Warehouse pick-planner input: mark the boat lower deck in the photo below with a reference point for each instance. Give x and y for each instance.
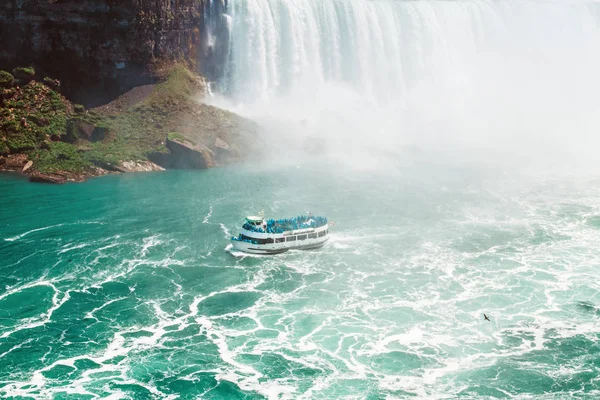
(266, 249)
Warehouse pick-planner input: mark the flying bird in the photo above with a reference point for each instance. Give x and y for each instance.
(486, 317)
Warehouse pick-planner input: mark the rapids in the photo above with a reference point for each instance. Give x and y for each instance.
(125, 286)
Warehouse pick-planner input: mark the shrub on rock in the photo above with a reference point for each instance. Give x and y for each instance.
(23, 72)
(6, 79)
(18, 138)
(24, 75)
(78, 129)
(51, 83)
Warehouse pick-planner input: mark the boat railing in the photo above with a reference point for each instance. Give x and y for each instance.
(279, 226)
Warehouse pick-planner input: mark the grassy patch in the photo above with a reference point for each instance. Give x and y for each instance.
(59, 156)
(144, 127)
(110, 153)
(176, 136)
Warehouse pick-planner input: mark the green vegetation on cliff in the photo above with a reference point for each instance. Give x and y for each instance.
(34, 120)
(59, 156)
(146, 117)
(58, 136)
(31, 115)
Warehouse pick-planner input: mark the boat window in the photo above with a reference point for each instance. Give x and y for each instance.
(291, 238)
(280, 240)
(270, 240)
(312, 235)
(322, 233)
(301, 237)
(252, 240)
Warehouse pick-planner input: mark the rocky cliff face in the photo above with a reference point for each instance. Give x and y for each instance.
(102, 48)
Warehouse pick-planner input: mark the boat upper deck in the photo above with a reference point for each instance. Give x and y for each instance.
(278, 226)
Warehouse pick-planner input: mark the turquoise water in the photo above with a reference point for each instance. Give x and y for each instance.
(125, 287)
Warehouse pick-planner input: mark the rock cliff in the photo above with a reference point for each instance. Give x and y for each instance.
(100, 49)
(140, 69)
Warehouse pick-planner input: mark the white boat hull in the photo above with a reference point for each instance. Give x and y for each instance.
(276, 248)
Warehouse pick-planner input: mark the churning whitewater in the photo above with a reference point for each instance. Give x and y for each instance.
(125, 287)
(430, 131)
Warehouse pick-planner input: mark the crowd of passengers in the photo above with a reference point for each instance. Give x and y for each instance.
(288, 224)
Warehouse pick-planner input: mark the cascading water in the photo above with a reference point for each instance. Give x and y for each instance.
(215, 34)
(478, 76)
(380, 47)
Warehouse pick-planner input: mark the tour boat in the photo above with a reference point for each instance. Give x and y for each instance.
(272, 236)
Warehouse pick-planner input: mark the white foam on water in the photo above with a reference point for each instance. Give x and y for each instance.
(37, 384)
(90, 314)
(42, 319)
(207, 217)
(16, 347)
(22, 235)
(150, 242)
(117, 347)
(22, 259)
(225, 231)
(117, 396)
(341, 246)
(12, 239)
(68, 248)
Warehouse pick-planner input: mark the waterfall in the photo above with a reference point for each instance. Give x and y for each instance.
(215, 28)
(511, 69)
(378, 47)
